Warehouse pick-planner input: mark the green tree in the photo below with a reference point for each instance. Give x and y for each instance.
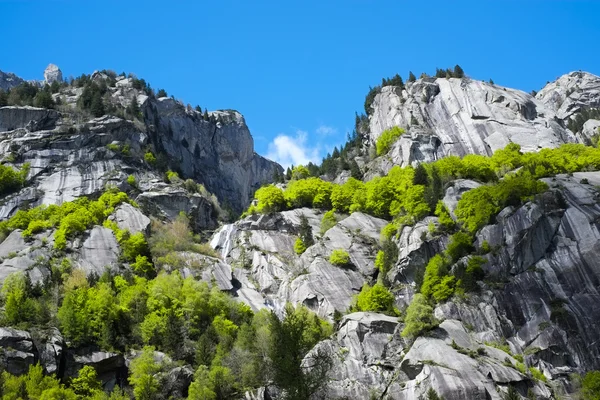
(270, 199)
(134, 107)
(43, 99)
(387, 139)
(458, 72)
(305, 232)
(86, 383)
(411, 77)
(591, 386)
(201, 388)
(291, 340)
(97, 105)
(419, 317)
(432, 395)
(161, 93)
(143, 375)
(329, 220)
(511, 394)
(19, 307)
(376, 298)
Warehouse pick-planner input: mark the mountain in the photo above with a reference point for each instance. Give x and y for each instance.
(435, 275)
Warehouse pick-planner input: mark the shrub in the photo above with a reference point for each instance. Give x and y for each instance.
(131, 181)
(150, 158)
(387, 139)
(419, 317)
(339, 257)
(299, 246)
(389, 230)
(376, 298)
(270, 199)
(173, 177)
(537, 374)
(436, 282)
(329, 220)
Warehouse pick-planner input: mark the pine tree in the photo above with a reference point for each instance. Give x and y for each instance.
(161, 93)
(421, 177)
(458, 72)
(134, 107)
(288, 174)
(411, 77)
(198, 108)
(355, 171)
(205, 116)
(97, 106)
(306, 232)
(3, 98)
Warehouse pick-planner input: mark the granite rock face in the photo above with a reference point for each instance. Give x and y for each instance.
(571, 93)
(462, 116)
(52, 74)
(219, 154)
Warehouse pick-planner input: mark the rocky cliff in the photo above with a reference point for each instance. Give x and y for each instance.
(464, 116)
(530, 321)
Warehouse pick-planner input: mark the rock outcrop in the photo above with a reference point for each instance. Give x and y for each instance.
(570, 94)
(9, 81)
(219, 154)
(52, 74)
(462, 116)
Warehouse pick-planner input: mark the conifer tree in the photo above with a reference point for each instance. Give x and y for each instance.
(411, 77)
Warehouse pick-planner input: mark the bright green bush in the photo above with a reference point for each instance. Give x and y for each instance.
(444, 217)
(387, 139)
(270, 199)
(311, 192)
(12, 180)
(329, 220)
(437, 284)
(19, 307)
(131, 181)
(339, 257)
(150, 158)
(375, 298)
(419, 317)
(172, 177)
(343, 196)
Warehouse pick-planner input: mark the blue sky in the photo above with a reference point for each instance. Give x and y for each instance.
(298, 70)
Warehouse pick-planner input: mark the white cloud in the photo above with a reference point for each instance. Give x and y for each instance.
(326, 130)
(288, 150)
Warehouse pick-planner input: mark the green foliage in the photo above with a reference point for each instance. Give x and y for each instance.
(131, 181)
(477, 207)
(143, 370)
(150, 158)
(342, 196)
(12, 180)
(299, 246)
(305, 232)
(460, 245)
(270, 199)
(432, 395)
(537, 374)
(86, 384)
(310, 192)
(172, 177)
(19, 306)
(43, 99)
(419, 317)
(329, 220)
(339, 257)
(387, 139)
(591, 386)
(291, 340)
(436, 282)
(300, 172)
(375, 298)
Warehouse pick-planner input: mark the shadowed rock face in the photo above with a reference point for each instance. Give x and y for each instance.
(221, 154)
(9, 81)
